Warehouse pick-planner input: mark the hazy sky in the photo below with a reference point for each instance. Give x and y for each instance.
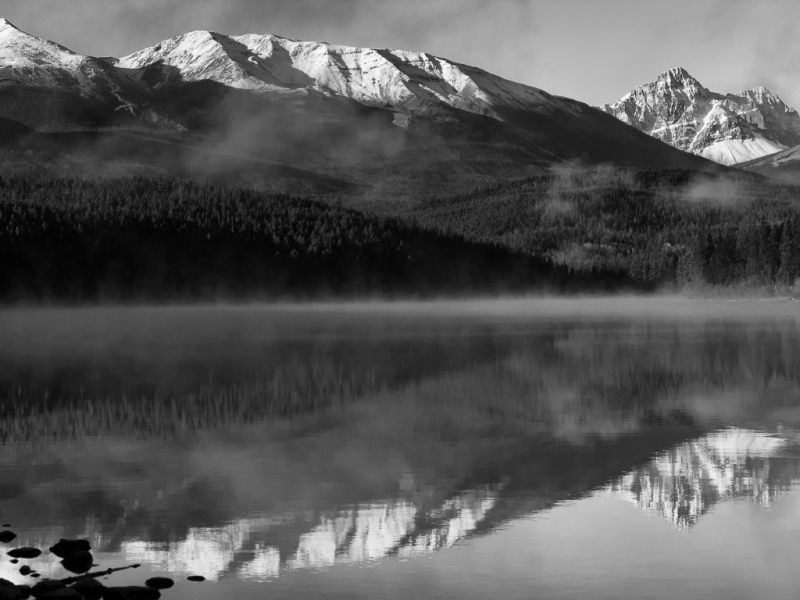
(591, 50)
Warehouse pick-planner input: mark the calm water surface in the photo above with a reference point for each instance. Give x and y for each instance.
(527, 449)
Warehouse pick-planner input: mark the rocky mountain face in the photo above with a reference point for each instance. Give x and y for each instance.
(351, 118)
(726, 128)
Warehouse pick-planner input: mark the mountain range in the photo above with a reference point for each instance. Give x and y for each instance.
(726, 128)
(337, 118)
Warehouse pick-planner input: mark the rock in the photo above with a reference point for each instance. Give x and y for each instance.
(6, 525)
(63, 594)
(90, 588)
(24, 552)
(7, 536)
(131, 592)
(196, 578)
(159, 583)
(46, 586)
(65, 547)
(14, 592)
(78, 562)
(14, 561)
(25, 570)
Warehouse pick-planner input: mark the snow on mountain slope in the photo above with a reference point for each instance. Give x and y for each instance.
(728, 129)
(409, 81)
(34, 62)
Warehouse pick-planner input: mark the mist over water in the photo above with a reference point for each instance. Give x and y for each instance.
(476, 448)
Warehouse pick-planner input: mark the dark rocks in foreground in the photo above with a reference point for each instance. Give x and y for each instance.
(159, 583)
(196, 578)
(9, 591)
(63, 594)
(7, 536)
(65, 547)
(46, 586)
(78, 562)
(89, 588)
(24, 552)
(131, 592)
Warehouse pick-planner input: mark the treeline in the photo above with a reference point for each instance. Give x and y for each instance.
(668, 227)
(165, 238)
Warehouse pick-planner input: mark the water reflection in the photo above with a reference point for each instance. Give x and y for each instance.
(685, 482)
(249, 445)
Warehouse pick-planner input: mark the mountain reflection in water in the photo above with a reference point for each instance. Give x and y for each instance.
(685, 482)
(242, 445)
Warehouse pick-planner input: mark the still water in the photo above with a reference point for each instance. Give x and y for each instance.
(507, 449)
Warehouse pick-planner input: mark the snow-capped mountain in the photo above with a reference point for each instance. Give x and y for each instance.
(263, 102)
(32, 66)
(411, 82)
(726, 128)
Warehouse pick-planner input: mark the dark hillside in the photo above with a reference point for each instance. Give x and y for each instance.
(143, 238)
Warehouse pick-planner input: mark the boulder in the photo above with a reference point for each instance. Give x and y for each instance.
(65, 547)
(90, 588)
(131, 592)
(46, 586)
(7, 536)
(24, 552)
(63, 594)
(159, 583)
(78, 562)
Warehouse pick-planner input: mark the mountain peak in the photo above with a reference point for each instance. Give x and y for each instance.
(679, 77)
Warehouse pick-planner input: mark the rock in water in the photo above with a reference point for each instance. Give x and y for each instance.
(196, 578)
(63, 594)
(7, 536)
(66, 547)
(46, 586)
(90, 588)
(159, 583)
(78, 562)
(24, 552)
(25, 570)
(132, 592)
(9, 591)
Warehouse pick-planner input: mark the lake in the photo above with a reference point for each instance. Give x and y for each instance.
(608, 448)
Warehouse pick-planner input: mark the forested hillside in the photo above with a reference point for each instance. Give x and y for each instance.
(146, 238)
(670, 227)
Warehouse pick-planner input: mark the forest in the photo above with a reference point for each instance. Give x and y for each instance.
(674, 228)
(162, 238)
(156, 237)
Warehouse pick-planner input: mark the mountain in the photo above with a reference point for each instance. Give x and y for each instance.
(726, 128)
(49, 87)
(784, 165)
(367, 121)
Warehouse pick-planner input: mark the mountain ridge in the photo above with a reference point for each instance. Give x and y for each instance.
(376, 119)
(727, 128)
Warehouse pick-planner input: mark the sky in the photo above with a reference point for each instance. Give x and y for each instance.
(590, 50)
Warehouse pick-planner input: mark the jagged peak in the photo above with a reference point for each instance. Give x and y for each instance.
(678, 77)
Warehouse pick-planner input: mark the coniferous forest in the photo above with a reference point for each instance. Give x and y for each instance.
(161, 238)
(675, 229)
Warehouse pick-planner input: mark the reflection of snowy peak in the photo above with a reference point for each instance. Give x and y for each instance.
(409, 81)
(728, 129)
(362, 533)
(683, 483)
